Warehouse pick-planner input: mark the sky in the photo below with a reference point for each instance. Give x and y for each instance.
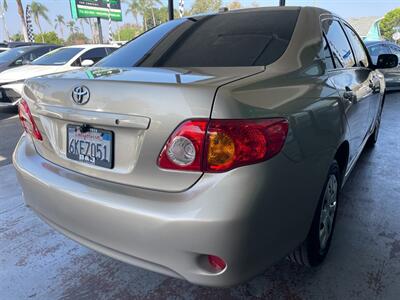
(344, 8)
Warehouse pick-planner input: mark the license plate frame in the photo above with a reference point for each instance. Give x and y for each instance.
(107, 139)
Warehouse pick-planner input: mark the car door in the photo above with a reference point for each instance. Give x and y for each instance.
(351, 81)
(363, 62)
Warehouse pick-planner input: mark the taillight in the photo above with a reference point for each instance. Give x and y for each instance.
(222, 145)
(184, 148)
(27, 121)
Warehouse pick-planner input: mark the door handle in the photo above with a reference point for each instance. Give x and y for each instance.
(349, 95)
(375, 88)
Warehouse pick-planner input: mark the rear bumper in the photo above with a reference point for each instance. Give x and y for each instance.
(170, 232)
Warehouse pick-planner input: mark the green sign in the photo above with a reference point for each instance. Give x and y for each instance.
(96, 9)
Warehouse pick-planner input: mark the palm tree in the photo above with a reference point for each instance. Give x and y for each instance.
(138, 7)
(22, 19)
(39, 10)
(81, 21)
(152, 3)
(72, 27)
(134, 9)
(3, 10)
(92, 30)
(60, 22)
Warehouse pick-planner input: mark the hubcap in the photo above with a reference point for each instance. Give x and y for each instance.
(328, 211)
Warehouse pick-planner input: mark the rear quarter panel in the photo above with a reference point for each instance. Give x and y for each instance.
(296, 87)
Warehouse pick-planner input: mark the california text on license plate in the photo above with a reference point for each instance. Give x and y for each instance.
(93, 145)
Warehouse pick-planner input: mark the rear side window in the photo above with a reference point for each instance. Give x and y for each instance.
(325, 55)
(94, 54)
(255, 38)
(361, 55)
(340, 47)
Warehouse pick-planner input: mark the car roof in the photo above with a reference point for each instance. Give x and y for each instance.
(268, 8)
(90, 46)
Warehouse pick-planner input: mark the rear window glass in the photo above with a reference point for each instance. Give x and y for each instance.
(57, 57)
(255, 38)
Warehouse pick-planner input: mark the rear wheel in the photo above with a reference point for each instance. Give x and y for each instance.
(314, 249)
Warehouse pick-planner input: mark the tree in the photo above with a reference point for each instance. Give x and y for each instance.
(157, 16)
(60, 23)
(77, 38)
(93, 30)
(72, 27)
(127, 32)
(389, 22)
(139, 7)
(151, 4)
(49, 38)
(39, 10)
(17, 37)
(3, 10)
(81, 23)
(22, 20)
(203, 6)
(234, 5)
(133, 8)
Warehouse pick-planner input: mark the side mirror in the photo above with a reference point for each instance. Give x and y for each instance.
(18, 62)
(387, 61)
(87, 63)
(26, 62)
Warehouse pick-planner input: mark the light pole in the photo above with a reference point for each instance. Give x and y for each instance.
(170, 9)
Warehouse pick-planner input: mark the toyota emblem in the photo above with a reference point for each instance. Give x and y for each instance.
(81, 95)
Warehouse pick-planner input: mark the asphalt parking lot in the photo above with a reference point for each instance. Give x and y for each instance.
(364, 263)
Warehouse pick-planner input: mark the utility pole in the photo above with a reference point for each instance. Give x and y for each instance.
(100, 30)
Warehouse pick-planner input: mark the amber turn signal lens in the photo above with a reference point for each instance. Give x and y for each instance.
(221, 149)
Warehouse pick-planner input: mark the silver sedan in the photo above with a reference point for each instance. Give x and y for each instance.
(209, 147)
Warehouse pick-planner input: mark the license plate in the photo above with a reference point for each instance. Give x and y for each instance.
(92, 145)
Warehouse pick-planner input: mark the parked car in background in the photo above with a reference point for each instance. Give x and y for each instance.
(19, 56)
(22, 44)
(60, 60)
(392, 76)
(209, 147)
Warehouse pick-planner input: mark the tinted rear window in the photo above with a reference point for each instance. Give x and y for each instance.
(255, 38)
(57, 57)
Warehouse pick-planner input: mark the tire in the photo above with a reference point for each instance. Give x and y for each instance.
(373, 138)
(314, 249)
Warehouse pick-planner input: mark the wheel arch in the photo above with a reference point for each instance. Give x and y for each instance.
(342, 158)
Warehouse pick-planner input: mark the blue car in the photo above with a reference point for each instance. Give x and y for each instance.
(392, 76)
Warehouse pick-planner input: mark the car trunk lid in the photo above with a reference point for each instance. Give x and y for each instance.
(140, 106)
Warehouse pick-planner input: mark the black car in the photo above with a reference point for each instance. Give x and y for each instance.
(376, 48)
(23, 55)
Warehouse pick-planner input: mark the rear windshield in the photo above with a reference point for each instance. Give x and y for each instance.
(57, 57)
(255, 38)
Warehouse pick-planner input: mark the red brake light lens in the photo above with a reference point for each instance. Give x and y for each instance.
(27, 121)
(234, 143)
(222, 145)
